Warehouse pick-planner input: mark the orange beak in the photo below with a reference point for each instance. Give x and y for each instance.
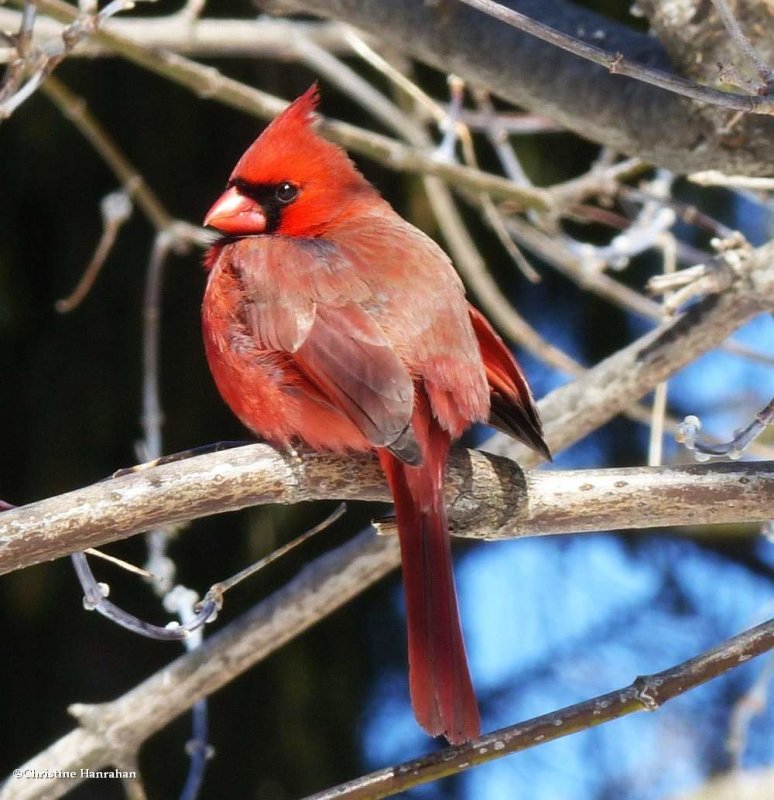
(236, 214)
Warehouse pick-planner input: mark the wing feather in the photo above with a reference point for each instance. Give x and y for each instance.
(351, 360)
(306, 297)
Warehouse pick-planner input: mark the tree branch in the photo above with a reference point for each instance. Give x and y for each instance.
(616, 64)
(207, 82)
(629, 116)
(489, 497)
(110, 731)
(646, 693)
(203, 38)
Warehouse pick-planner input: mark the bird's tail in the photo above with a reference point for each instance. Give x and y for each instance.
(442, 693)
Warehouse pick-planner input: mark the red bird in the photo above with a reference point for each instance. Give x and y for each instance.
(332, 322)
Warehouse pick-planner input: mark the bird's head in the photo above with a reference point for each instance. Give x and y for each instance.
(290, 181)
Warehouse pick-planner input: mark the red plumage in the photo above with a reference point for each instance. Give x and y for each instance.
(330, 321)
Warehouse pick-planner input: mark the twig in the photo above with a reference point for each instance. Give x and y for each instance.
(646, 693)
(743, 43)
(735, 448)
(74, 108)
(687, 213)
(43, 64)
(655, 445)
(183, 603)
(570, 264)
(116, 209)
(750, 353)
(712, 177)
(20, 45)
(95, 599)
(512, 168)
(204, 38)
(401, 81)
(700, 280)
(515, 123)
(618, 65)
(208, 82)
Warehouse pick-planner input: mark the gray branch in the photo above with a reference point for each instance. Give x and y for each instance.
(627, 115)
(489, 497)
(203, 38)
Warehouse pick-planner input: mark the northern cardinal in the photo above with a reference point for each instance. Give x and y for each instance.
(332, 322)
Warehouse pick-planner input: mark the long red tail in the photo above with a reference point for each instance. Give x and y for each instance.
(441, 690)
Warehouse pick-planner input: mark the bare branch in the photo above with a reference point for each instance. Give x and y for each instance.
(628, 116)
(610, 387)
(111, 730)
(488, 497)
(616, 64)
(646, 693)
(110, 733)
(208, 82)
(204, 38)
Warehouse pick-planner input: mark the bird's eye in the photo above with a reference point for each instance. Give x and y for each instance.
(286, 192)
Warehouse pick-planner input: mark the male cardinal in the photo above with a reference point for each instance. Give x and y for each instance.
(331, 322)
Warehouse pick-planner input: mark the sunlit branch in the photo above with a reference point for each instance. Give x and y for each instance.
(208, 82)
(618, 65)
(488, 497)
(745, 47)
(40, 64)
(263, 37)
(113, 731)
(646, 693)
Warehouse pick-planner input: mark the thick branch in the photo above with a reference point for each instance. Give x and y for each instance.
(616, 63)
(631, 117)
(489, 497)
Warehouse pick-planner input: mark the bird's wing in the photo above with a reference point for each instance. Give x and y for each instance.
(306, 298)
(513, 409)
(423, 310)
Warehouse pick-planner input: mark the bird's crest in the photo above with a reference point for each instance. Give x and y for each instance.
(289, 147)
(302, 111)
